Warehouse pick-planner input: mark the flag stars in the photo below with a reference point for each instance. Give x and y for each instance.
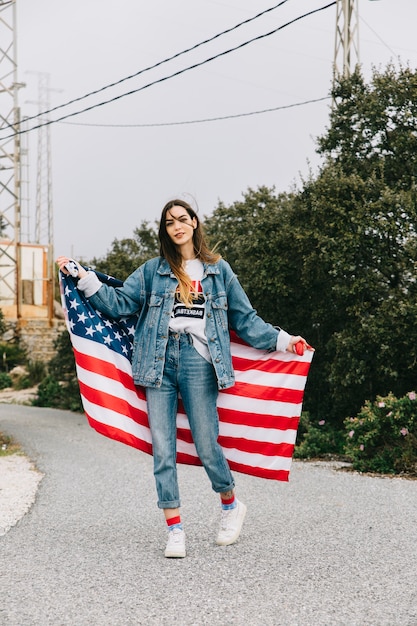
(82, 317)
(93, 325)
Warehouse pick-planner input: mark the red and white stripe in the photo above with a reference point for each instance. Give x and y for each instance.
(259, 415)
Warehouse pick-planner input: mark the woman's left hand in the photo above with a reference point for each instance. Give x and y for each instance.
(298, 345)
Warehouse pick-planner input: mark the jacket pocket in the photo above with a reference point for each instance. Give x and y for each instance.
(155, 304)
(220, 308)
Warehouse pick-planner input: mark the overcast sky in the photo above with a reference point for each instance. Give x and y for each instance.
(109, 173)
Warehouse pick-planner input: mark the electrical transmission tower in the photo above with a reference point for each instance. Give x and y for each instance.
(9, 160)
(346, 49)
(44, 226)
(44, 211)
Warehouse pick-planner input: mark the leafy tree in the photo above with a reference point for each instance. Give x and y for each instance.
(337, 261)
(358, 246)
(373, 126)
(128, 254)
(253, 235)
(366, 193)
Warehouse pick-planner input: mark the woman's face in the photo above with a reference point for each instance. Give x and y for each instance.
(180, 226)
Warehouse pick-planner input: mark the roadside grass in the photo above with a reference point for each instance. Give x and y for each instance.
(8, 446)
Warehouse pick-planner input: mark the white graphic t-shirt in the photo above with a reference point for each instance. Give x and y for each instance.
(192, 319)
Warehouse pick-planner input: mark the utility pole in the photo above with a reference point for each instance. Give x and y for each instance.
(10, 283)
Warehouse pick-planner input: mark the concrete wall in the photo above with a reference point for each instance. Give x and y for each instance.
(37, 336)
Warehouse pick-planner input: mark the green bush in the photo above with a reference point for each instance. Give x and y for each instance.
(317, 439)
(2, 323)
(36, 372)
(383, 436)
(59, 389)
(49, 393)
(58, 395)
(5, 380)
(62, 365)
(10, 356)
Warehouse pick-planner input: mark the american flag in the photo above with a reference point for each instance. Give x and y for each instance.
(258, 416)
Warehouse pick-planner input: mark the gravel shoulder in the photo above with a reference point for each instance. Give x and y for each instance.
(19, 478)
(19, 482)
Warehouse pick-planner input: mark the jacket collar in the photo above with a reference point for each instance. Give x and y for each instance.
(164, 268)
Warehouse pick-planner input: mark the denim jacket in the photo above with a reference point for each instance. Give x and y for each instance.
(150, 293)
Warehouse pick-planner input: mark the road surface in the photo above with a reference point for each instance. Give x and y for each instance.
(329, 548)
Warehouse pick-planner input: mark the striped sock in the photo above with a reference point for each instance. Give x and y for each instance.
(228, 503)
(174, 522)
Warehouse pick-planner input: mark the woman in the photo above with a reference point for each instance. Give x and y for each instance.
(186, 300)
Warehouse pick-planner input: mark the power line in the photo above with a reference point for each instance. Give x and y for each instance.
(152, 67)
(201, 121)
(177, 73)
(380, 38)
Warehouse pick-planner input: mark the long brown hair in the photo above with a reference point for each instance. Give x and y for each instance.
(170, 252)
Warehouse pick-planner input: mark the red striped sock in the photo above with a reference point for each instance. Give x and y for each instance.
(174, 522)
(228, 503)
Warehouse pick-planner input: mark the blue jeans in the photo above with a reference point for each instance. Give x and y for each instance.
(187, 372)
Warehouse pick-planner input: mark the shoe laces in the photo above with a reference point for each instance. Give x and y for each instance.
(225, 518)
(175, 535)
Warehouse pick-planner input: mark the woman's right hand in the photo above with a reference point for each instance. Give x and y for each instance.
(63, 260)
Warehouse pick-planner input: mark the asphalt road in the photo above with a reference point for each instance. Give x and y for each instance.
(329, 548)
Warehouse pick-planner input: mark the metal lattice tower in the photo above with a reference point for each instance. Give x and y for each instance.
(44, 222)
(346, 49)
(9, 158)
(44, 210)
(44, 226)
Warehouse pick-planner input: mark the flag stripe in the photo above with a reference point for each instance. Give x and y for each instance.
(272, 366)
(260, 392)
(120, 435)
(258, 416)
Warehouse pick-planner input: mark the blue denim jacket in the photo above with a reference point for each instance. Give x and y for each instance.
(150, 292)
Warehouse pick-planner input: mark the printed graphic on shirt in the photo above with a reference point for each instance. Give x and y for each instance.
(196, 311)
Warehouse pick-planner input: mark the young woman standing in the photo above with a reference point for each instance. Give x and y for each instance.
(187, 300)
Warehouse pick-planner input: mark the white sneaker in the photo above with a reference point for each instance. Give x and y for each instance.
(176, 543)
(231, 522)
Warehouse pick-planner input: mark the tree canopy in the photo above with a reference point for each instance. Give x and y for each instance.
(129, 253)
(335, 261)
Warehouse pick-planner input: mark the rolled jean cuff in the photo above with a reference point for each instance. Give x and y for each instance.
(225, 489)
(173, 504)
